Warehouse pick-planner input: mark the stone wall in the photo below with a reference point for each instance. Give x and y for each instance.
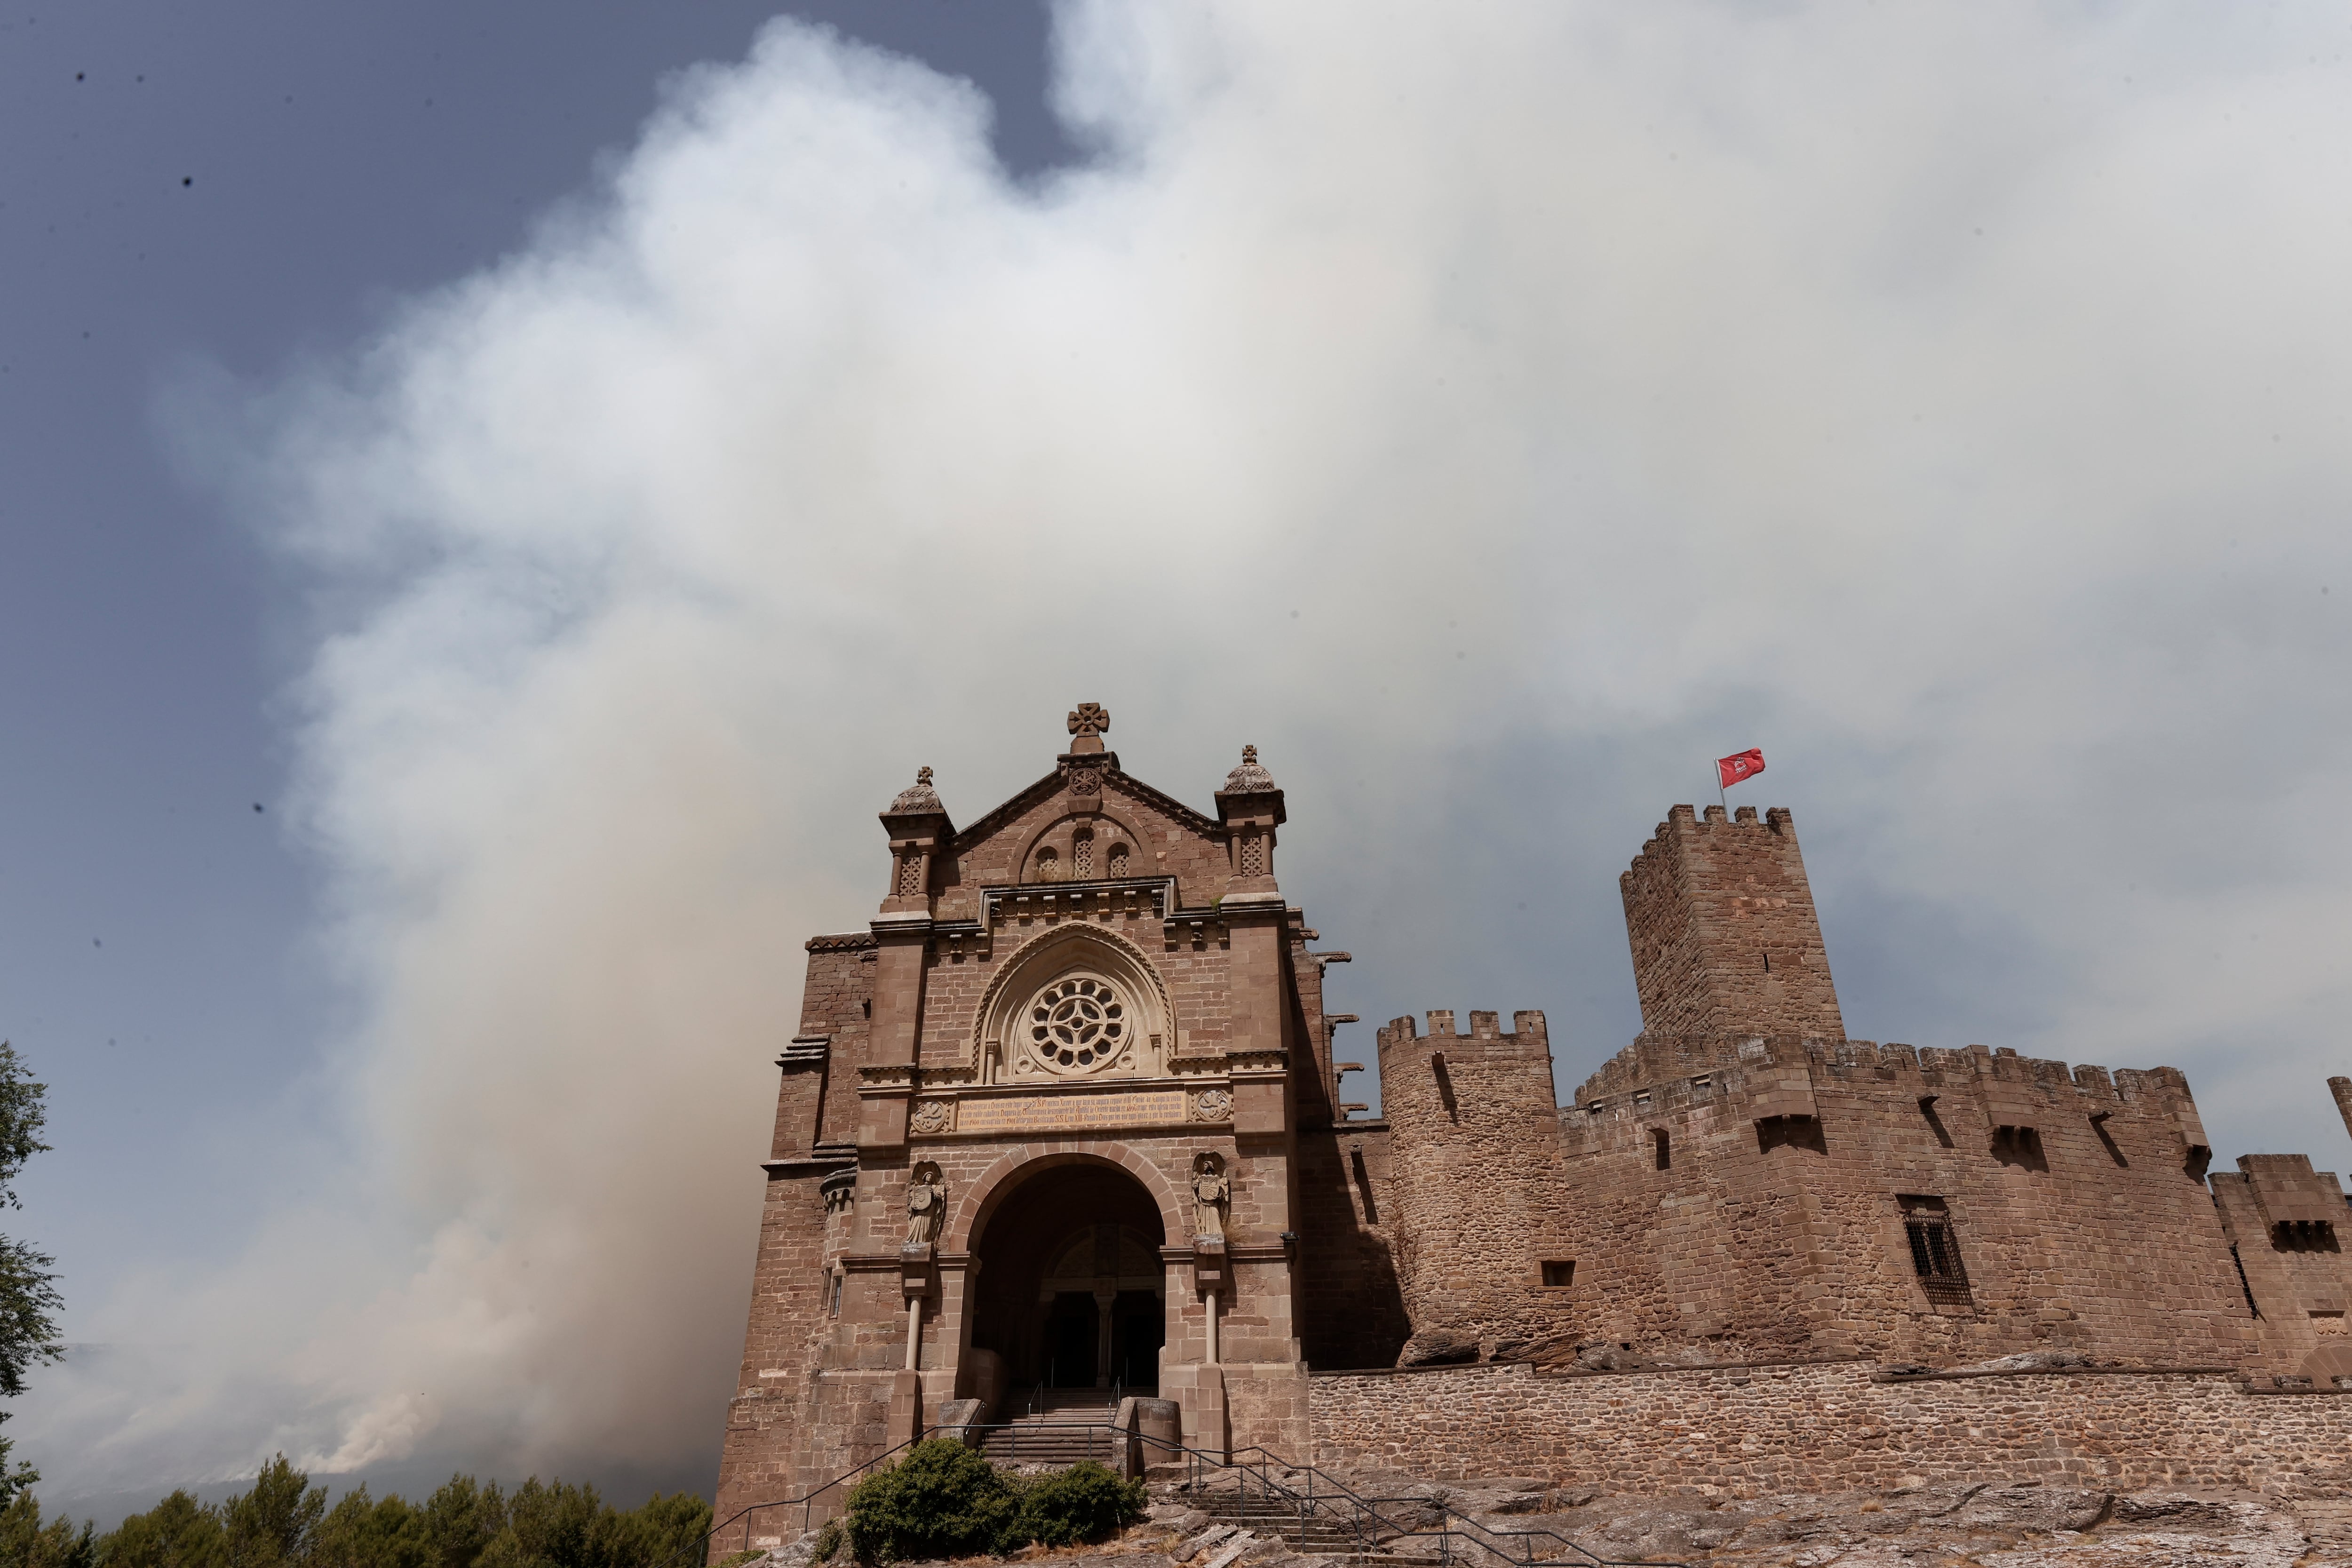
(1482, 1194)
(836, 1005)
(1746, 1431)
(1723, 930)
(765, 1447)
(2286, 1223)
(1776, 1225)
(1350, 1307)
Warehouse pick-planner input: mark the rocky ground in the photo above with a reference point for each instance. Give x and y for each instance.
(1981, 1527)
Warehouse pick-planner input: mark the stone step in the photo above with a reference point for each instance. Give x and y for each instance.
(1313, 1531)
(1038, 1441)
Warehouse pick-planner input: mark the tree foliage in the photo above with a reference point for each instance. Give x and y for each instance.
(28, 1293)
(284, 1522)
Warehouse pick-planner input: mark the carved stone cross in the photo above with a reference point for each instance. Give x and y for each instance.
(1088, 722)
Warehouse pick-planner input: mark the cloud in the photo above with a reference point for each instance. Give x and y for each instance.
(1492, 417)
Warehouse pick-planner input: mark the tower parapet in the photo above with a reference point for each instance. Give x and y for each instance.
(1723, 929)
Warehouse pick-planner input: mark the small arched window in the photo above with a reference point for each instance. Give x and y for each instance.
(1119, 859)
(1049, 865)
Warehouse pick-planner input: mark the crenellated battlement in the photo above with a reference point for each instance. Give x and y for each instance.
(1682, 820)
(1654, 1063)
(1526, 1025)
(1723, 930)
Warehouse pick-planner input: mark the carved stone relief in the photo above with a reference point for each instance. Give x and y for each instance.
(1213, 1105)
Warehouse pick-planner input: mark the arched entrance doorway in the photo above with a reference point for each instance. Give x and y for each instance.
(1071, 1289)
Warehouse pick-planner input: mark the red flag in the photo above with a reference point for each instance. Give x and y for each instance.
(1730, 770)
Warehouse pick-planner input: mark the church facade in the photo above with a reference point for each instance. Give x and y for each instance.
(1066, 1121)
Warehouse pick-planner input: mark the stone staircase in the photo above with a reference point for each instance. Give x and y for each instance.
(1241, 1517)
(1070, 1425)
(1319, 1531)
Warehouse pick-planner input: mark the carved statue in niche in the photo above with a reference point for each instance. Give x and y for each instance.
(1210, 1193)
(926, 1205)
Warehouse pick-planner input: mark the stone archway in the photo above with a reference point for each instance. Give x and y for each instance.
(1068, 1300)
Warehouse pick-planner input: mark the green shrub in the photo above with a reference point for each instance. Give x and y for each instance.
(1084, 1502)
(940, 1501)
(828, 1542)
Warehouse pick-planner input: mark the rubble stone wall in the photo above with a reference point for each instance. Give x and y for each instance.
(1748, 1431)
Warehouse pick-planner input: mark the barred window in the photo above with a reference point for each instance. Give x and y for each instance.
(1934, 1251)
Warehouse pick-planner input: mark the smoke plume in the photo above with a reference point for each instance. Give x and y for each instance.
(1493, 414)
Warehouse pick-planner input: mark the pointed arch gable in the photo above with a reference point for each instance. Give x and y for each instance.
(1060, 949)
(1058, 828)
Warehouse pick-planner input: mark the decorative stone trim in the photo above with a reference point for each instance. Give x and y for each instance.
(1199, 1067)
(1134, 897)
(1198, 931)
(803, 1167)
(932, 1117)
(961, 942)
(839, 1190)
(887, 1077)
(1212, 1105)
(854, 942)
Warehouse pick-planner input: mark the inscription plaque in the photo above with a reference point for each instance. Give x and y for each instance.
(1070, 1112)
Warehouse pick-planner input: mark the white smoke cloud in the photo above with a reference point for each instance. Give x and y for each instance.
(1492, 414)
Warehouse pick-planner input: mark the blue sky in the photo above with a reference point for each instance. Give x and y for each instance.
(568, 467)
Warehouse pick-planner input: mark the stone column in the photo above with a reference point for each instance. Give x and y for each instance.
(1104, 1318)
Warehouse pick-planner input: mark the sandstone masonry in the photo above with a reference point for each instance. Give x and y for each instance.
(1068, 1119)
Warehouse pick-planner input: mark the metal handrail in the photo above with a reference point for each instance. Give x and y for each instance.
(1363, 1507)
(1363, 1515)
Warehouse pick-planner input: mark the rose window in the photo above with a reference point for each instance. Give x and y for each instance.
(1076, 1025)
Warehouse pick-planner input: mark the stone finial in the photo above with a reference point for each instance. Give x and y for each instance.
(2341, 1087)
(1088, 722)
(917, 796)
(1249, 778)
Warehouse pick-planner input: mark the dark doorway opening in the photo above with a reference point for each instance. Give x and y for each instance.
(1070, 1289)
(1072, 1329)
(1138, 1331)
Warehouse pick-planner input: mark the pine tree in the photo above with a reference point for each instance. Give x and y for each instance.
(28, 1293)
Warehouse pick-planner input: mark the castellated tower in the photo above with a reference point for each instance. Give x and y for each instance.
(1479, 1222)
(1725, 937)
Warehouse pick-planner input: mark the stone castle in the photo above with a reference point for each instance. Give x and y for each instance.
(1069, 1115)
